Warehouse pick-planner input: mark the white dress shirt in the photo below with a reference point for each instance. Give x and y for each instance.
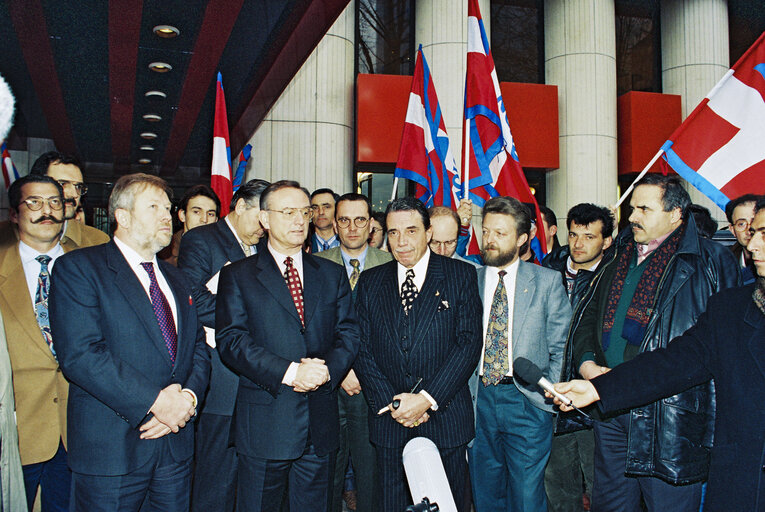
(32, 266)
(490, 286)
(253, 248)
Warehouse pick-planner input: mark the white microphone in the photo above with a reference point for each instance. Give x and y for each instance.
(426, 475)
(531, 373)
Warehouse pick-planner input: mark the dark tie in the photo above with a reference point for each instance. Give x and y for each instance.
(325, 246)
(41, 300)
(295, 287)
(408, 291)
(496, 362)
(354, 279)
(162, 311)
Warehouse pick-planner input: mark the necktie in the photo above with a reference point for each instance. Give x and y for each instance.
(354, 279)
(162, 311)
(41, 300)
(325, 246)
(496, 362)
(295, 287)
(246, 249)
(408, 291)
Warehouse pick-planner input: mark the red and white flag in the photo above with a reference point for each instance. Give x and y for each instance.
(489, 159)
(720, 147)
(10, 174)
(220, 178)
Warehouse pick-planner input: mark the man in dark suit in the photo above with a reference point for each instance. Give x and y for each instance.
(204, 251)
(285, 323)
(740, 213)
(352, 215)
(725, 344)
(420, 320)
(129, 341)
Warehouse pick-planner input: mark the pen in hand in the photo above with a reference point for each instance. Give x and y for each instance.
(394, 405)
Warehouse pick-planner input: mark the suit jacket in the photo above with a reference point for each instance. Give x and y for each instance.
(725, 344)
(204, 250)
(439, 341)
(259, 333)
(76, 235)
(541, 317)
(111, 349)
(39, 387)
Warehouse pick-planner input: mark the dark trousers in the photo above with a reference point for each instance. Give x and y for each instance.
(214, 480)
(161, 485)
(510, 451)
(570, 466)
(393, 485)
(354, 440)
(54, 479)
(262, 483)
(614, 491)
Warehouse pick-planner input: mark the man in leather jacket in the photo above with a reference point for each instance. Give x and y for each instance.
(653, 288)
(571, 458)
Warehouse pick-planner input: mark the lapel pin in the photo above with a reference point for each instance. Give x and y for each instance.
(525, 290)
(438, 293)
(190, 301)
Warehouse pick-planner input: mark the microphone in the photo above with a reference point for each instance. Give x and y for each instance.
(426, 475)
(531, 373)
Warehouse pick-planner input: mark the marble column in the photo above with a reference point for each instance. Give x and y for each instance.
(580, 58)
(308, 134)
(694, 57)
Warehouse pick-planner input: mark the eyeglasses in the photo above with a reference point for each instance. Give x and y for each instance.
(292, 213)
(448, 244)
(359, 222)
(741, 225)
(36, 203)
(80, 187)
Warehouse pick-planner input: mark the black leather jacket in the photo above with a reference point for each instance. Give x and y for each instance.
(671, 438)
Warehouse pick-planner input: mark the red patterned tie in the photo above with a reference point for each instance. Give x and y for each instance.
(162, 311)
(295, 287)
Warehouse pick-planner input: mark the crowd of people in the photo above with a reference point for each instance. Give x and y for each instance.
(281, 357)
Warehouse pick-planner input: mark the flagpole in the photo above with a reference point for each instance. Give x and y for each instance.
(466, 159)
(395, 189)
(639, 177)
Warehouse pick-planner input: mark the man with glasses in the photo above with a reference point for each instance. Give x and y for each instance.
(352, 223)
(446, 232)
(740, 213)
(37, 214)
(285, 324)
(66, 170)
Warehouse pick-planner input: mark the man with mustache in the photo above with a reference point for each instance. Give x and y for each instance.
(65, 169)
(654, 288)
(37, 214)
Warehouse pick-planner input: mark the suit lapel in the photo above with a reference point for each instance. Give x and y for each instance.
(274, 283)
(313, 282)
(755, 319)
(525, 286)
(390, 300)
(233, 250)
(13, 286)
(428, 300)
(182, 305)
(127, 282)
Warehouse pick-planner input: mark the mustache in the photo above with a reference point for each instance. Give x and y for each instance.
(48, 217)
(71, 201)
(636, 225)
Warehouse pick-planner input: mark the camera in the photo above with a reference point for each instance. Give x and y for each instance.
(424, 506)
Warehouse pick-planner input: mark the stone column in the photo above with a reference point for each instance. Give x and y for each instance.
(580, 58)
(694, 57)
(308, 134)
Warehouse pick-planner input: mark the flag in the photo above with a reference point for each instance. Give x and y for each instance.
(424, 156)
(489, 158)
(720, 147)
(10, 174)
(220, 176)
(244, 156)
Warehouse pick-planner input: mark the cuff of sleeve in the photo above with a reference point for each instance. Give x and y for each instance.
(433, 403)
(193, 396)
(587, 356)
(290, 374)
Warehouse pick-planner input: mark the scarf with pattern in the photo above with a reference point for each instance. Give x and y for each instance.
(759, 294)
(639, 311)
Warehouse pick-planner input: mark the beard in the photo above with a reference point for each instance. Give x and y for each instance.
(498, 259)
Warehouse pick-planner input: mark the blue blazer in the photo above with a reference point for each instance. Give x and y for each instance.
(203, 252)
(259, 333)
(441, 345)
(727, 344)
(111, 350)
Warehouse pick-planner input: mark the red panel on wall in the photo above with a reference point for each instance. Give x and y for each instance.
(381, 111)
(645, 122)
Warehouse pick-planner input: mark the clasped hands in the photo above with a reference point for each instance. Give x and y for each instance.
(172, 409)
(311, 373)
(412, 410)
